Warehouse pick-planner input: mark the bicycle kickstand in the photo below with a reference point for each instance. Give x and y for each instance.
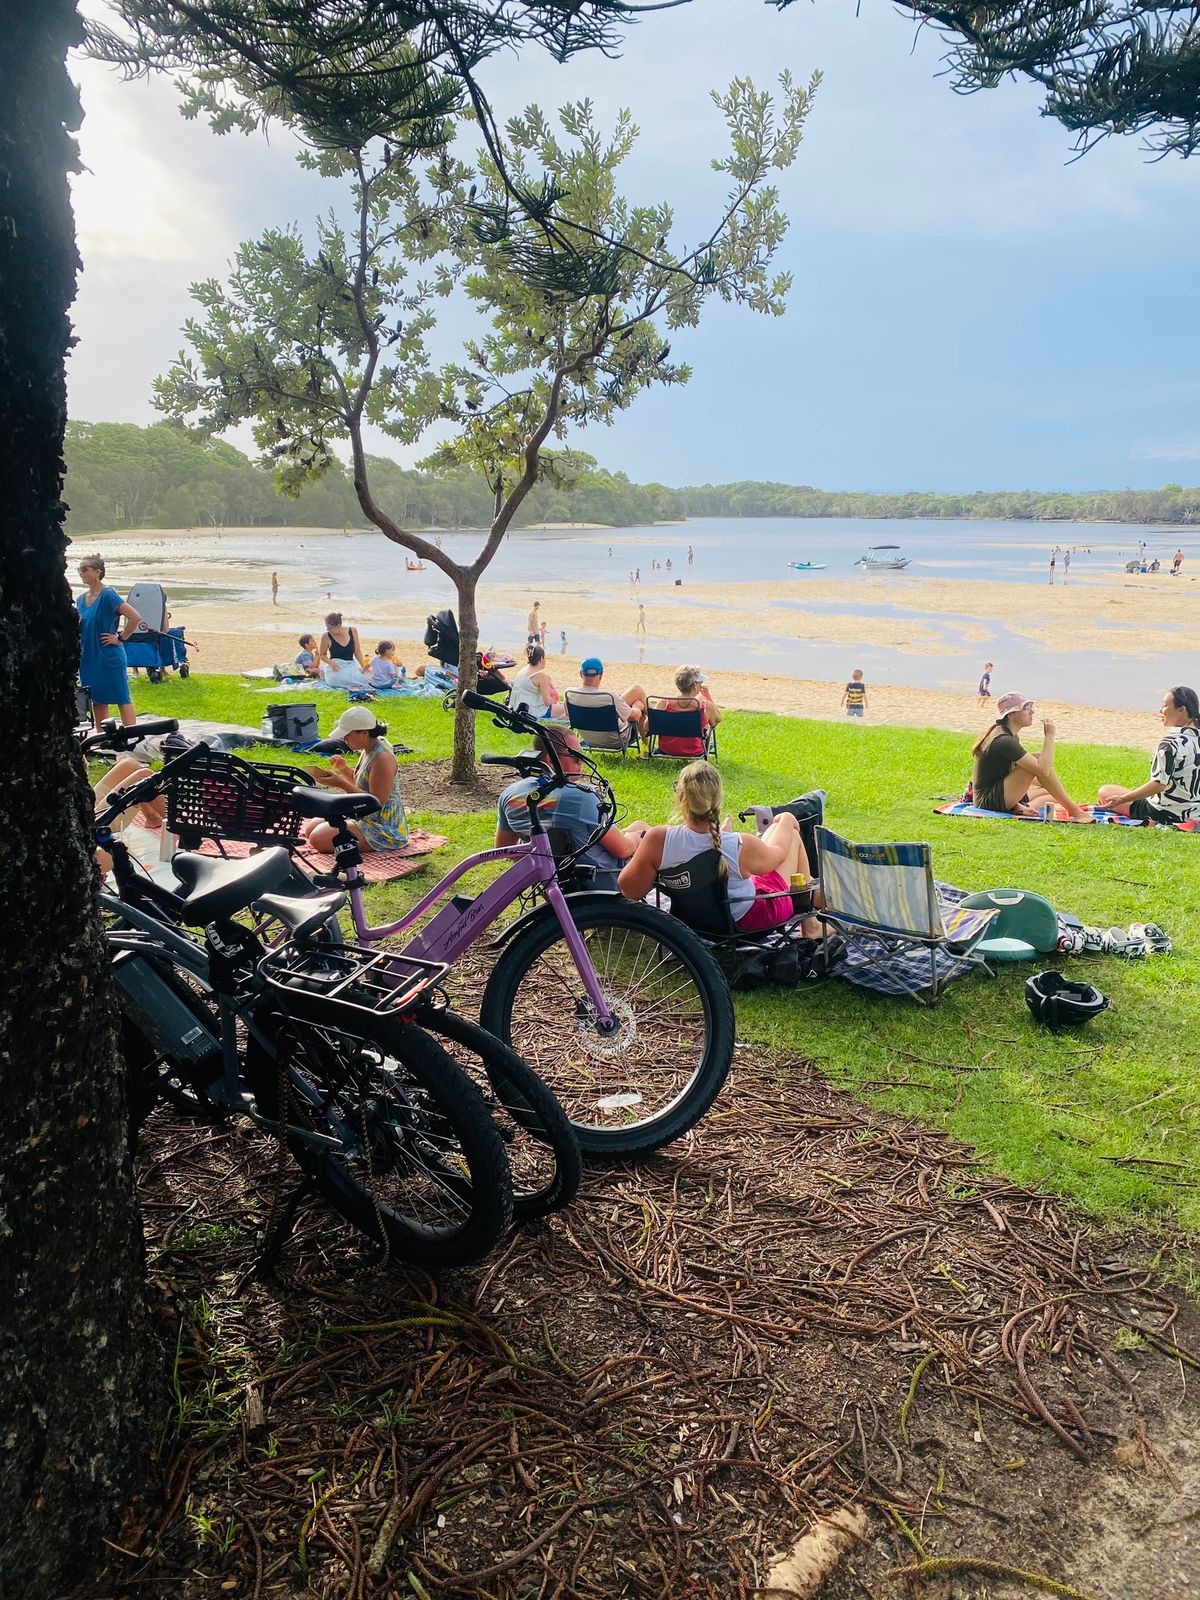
(266, 1260)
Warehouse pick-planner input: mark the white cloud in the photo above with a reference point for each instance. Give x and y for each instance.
(1164, 451)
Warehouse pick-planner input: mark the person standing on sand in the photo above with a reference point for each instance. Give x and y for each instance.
(854, 695)
(533, 625)
(1066, 566)
(274, 588)
(1176, 563)
(640, 628)
(1053, 562)
(985, 682)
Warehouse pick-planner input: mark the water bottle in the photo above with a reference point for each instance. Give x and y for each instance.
(266, 727)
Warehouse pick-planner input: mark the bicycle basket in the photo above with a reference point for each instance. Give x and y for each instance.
(382, 982)
(220, 796)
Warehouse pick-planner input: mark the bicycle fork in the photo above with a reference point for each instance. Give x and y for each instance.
(605, 1021)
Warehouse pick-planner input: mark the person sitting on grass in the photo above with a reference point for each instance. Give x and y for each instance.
(757, 871)
(693, 693)
(1007, 777)
(1172, 792)
(384, 672)
(306, 657)
(377, 772)
(575, 809)
(630, 706)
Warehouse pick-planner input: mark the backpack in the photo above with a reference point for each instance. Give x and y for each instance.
(779, 959)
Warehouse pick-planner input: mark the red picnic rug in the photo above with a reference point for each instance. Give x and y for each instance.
(379, 866)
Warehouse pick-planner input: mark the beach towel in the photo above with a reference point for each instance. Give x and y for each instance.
(961, 808)
(379, 866)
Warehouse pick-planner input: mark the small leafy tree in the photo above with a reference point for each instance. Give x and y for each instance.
(310, 343)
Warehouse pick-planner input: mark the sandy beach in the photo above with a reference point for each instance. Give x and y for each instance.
(1120, 615)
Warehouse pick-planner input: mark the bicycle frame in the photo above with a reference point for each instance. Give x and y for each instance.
(157, 1006)
(456, 927)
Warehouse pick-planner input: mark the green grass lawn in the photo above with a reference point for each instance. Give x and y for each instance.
(1107, 1118)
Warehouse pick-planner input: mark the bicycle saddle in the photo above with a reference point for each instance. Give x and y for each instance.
(302, 915)
(212, 888)
(334, 806)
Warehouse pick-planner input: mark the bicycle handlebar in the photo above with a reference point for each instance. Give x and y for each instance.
(115, 735)
(148, 788)
(517, 722)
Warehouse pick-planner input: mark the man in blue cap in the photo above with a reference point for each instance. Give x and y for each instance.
(631, 706)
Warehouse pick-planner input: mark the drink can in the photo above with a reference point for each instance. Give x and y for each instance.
(1048, 812)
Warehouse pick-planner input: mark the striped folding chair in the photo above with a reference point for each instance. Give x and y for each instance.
(899, 932)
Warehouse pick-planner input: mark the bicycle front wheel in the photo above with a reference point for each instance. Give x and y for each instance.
(543, 1152)
(405, 1149)
(635, 1086)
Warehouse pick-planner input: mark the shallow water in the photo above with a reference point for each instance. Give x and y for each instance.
(360, 568)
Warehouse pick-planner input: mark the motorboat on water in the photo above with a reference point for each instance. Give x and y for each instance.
(882, 558)
(807, 566)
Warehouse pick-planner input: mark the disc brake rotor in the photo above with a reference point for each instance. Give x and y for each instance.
(603, 1044)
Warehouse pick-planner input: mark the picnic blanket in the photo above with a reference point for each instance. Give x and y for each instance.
(379, 866)
(962, 808)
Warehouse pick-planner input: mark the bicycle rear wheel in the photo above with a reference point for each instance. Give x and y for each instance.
(650, 1078)
(543, 1152)
(409, 1154)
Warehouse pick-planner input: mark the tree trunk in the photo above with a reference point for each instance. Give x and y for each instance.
(75, 1361)
(462, 767)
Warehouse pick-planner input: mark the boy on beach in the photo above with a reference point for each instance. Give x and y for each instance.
(854, 695)
(985, 682)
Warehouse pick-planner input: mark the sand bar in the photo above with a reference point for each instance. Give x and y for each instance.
(1110, 612)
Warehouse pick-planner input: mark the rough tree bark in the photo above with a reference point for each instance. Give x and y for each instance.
(75, 1362)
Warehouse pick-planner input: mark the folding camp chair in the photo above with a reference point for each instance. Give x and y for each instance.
(669, 717)
(883, 900)
(593, 717)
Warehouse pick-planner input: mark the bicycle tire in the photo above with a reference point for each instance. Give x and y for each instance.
(417, 1150)
(622, 1094)
(543, 1152)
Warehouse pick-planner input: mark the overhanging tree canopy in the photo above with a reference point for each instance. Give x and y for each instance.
(311, 343)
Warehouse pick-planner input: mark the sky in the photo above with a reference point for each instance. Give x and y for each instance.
(972, 307)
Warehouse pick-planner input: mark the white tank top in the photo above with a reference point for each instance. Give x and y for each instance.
(682, 844)
(525, 695)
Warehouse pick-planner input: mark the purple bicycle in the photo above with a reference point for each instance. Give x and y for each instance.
(616, 1006)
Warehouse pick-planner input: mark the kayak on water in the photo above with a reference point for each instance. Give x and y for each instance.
(807, 566)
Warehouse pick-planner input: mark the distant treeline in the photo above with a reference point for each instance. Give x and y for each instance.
(122, 476)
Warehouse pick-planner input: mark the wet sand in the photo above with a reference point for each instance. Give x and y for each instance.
(1122, 615)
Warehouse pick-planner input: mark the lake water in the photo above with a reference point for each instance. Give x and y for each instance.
(361, 567)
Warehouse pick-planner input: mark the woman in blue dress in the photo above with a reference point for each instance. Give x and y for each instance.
(103, 670)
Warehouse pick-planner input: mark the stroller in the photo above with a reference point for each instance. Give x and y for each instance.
(155, 646)
(441, 638)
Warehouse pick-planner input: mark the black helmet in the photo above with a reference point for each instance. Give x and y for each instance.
(1060, 1003)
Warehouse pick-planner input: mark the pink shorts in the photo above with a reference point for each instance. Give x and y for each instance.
(764, 913)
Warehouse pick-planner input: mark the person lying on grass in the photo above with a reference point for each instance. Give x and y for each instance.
(1007, 777)
(377, 772)
(1172, 792)
(574, 809)
(757, 871)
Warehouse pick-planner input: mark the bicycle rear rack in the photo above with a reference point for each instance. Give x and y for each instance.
(381, 982)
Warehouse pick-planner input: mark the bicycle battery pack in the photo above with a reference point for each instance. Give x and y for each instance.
(171, 1027)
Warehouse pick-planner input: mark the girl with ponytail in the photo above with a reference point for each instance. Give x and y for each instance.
(1172, 793)
(756, 871)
